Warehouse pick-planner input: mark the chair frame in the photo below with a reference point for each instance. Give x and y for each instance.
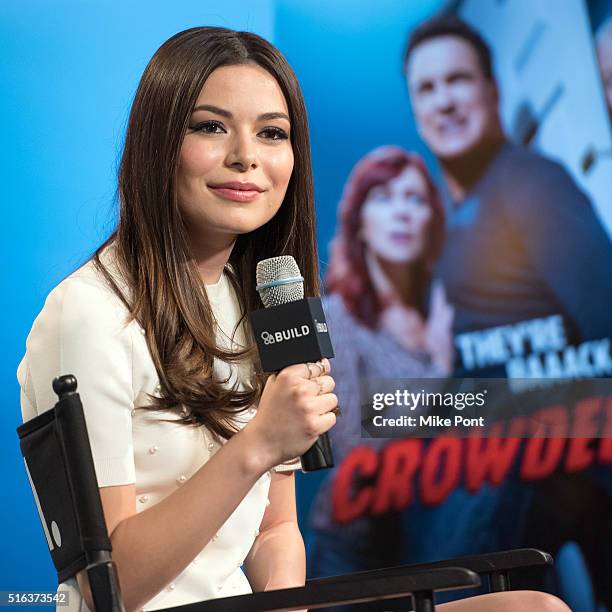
(418, 581)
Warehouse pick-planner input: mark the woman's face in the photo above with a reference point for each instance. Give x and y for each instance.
(395, 218)
(236, 159)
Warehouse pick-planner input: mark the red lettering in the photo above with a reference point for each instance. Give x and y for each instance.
(441, 469)
(550, 422)
(362, 461)
(542, 455)
(490, 459)
(579, 456)
(605, 444)
(394, 488)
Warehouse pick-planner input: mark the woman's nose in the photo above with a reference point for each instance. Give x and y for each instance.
(402, 209)
(242, 154)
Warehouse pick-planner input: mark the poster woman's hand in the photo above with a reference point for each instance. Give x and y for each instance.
(438, 330)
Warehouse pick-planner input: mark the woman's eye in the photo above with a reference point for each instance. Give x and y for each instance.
(417, 200)
(379, 195)
(274, 133)
(209, 127)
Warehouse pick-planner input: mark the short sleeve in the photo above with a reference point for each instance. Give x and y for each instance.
(82, 331)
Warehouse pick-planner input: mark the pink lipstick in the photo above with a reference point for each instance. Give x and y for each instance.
(237, 191)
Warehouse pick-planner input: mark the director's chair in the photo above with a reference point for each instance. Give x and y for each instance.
(58, 460)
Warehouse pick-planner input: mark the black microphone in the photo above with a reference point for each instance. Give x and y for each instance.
(291, 329)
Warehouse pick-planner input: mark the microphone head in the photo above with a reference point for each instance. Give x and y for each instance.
(279, 281)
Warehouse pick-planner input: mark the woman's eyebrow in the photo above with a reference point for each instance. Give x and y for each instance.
(380, 190)
(228, 115)
(213, 109)
(275, 115)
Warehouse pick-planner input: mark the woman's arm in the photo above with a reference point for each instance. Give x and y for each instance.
(277, 559)
(152, 547)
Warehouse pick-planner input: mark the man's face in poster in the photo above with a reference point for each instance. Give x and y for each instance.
(454, 103)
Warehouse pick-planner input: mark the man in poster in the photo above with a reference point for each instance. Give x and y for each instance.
(523, 241)
(525, 252)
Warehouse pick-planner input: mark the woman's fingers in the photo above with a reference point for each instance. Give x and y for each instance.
(305, 371)
(322, 366)
(326, 365)
(326, 403)
(328, 420)
(450, 315)
(325, 422)
(438, 298)
(294, 409)
(323, 384)
(442, 313)
(316, 369)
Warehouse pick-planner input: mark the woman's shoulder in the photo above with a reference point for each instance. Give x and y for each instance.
(346, 331)
(83, 328)
(335, 308)
(339, 316)
(87, 293)
(82, 309)
(81, 297)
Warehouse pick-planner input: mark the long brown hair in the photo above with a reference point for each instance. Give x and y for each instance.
(347, 273)
(153, 254)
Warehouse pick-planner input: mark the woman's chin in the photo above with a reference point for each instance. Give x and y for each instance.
(243, 223)
(403, 259)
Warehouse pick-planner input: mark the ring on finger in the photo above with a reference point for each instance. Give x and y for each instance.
(310, 373)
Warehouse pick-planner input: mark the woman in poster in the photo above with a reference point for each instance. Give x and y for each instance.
(386, 320)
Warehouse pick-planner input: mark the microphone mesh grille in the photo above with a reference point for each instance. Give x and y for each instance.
(279, 268)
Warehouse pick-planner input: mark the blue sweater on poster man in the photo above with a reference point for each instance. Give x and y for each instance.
(526, 243)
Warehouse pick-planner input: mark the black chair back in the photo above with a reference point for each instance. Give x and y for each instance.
(58, 460)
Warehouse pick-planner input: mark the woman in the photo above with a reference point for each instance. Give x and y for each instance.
(211, 181)
(215, 175)
(391, 231)
(391, 228)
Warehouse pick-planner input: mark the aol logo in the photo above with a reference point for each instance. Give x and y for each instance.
(286, 334)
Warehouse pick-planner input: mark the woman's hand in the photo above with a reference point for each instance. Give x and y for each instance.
(438, 330)
(294, 410)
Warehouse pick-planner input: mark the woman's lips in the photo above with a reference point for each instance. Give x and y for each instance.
(401, 237)
(236, 195)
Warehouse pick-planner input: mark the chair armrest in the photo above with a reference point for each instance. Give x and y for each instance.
(495, 565)
(498, 561)
(346, 589)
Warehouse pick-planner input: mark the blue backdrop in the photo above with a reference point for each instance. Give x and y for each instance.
(68, 73)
